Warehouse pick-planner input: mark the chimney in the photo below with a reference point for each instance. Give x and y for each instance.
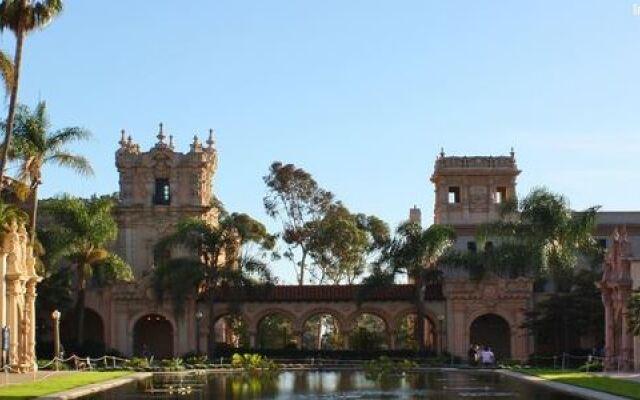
(415, 215)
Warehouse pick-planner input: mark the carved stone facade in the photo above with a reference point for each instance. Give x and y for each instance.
(158, 188)
(469, 190)
(620, 276)
(505, 299)
(18, 280)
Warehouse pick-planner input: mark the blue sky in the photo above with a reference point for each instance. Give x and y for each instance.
(362, 94)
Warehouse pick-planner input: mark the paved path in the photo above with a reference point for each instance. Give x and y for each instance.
(632, 376)
(11, 379)
(96, 387)
(563, 387)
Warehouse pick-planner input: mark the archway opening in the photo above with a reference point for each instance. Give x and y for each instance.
(369, 333)
(275, 331)
(93, 327)
(231, 332)
(493, 331)
(153, 337)
(321, 332)
(408, 334)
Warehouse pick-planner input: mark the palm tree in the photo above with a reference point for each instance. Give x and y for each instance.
(21, 17)
(10, 213)
(86, 227)
(415, 252)
(36, 146)
(215, 262)
(541, 236)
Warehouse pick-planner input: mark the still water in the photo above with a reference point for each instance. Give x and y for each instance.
(330, 385)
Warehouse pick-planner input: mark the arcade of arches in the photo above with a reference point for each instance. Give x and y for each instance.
(325, 318)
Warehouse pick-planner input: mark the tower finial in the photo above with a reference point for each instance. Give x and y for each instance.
(123, 139)
(171, 142)
(161, 135)
(210, 141)
(512, 153)
(441, 152)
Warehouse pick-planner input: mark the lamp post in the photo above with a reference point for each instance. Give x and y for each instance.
(199, 316)
(441, 341)
(55, 315)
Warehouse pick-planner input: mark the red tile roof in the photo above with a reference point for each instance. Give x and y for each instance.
(293, 293)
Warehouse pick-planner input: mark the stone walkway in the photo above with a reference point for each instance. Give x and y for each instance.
(10, 379)
(632, 376)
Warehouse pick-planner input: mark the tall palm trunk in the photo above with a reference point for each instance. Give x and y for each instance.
(13, 100)
(80, 306)
(34, 212)
(211, 343)
(419, 300)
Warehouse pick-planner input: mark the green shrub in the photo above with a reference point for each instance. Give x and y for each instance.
(173, 364)
(384, 366)
(592, 366)
(136, 363)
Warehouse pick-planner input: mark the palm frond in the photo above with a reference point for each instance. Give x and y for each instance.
(79, 164)
(7, 72)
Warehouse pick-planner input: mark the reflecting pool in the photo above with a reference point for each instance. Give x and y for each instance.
(352, 385)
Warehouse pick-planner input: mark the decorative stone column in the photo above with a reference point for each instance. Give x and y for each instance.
(18, 281)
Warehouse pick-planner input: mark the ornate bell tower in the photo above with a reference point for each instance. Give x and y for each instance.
(157, 189)
(469, 190)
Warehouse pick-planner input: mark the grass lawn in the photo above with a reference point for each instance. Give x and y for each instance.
(620, 387)
(55, 384)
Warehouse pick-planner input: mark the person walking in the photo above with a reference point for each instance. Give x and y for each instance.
(487, 357)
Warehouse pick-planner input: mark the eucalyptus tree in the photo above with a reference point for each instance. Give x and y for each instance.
(86, 227)
(296, 199)
(35, 146)
(218, 259)
(341, 244)
(21, 17)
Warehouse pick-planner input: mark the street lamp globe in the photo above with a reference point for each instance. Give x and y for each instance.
(199, 315)
(55, 315)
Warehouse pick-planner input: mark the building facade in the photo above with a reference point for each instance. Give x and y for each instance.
(161, 186)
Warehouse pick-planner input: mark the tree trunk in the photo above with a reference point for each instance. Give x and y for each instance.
(34, 212)
(211, 343)
(13, 100)
(80, 307)
(303, 262)
(419, 286)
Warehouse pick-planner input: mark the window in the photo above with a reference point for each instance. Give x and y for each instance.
(602, 243)
(162, 195)
(501, 194)
(472, 247)
(488, 247)
(454, 195)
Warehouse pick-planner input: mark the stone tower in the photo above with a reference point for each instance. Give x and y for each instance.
(469, 190)
(157, 189)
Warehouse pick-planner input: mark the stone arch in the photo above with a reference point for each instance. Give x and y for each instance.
(369, 342)
(233, 336)
(322, 336)
(493, 330)
(255, 321)
(340, 318)
(432, 329)
(276, 339)
(153, 335)
(382, 314)
(94, 328)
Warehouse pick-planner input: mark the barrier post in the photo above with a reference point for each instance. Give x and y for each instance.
(563, 360)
